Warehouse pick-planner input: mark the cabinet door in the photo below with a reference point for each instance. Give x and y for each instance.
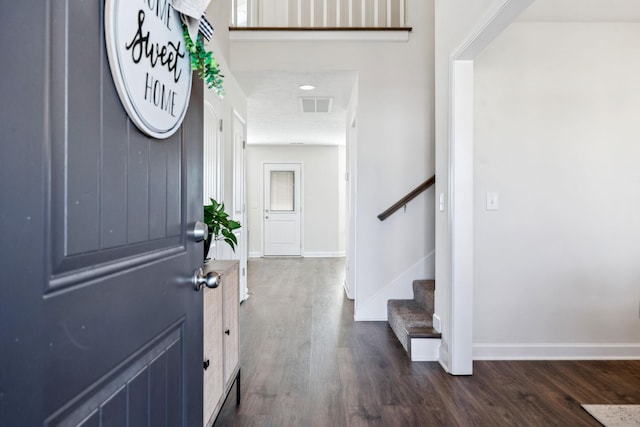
(231, 322)
(213, 342)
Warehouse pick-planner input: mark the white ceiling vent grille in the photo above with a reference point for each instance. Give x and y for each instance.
(316, 105)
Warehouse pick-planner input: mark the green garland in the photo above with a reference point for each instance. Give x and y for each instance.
(203, 62)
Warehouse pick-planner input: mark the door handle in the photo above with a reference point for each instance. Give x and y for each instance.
(211, 280)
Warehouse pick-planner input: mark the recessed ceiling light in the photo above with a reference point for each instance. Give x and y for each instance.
(307, 87)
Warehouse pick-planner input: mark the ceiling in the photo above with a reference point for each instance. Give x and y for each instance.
(582, 11)
(273, 97)
(274, 115)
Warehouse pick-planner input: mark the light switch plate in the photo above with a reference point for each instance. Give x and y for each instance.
(492, 201)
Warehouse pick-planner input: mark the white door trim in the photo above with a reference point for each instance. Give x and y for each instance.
(351, 286)
(461, 184)
(239, 128)
(212, 148)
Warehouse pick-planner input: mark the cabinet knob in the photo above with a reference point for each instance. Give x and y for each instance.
(206, 364)
(227, 331)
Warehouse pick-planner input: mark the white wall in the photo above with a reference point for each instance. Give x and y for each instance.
(342, 202)
(395, 147)
(219, 15)
(322, 190)
(557, 137)
(234, 99)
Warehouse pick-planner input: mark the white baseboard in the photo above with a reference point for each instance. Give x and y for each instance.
(444, 356)
(323, 254)
(425, 349)
(345, 285)
(307, 254)
(556, 351)
(360, 318)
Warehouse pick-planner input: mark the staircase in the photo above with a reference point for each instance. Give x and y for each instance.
(412, 322)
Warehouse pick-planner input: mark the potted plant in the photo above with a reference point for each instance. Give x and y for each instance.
(220, 226)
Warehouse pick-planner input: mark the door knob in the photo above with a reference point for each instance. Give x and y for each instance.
(210, 280)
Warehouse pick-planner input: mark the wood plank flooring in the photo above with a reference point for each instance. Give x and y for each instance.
(305, 362)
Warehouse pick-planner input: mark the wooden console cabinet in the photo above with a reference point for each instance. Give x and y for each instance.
(221, 338)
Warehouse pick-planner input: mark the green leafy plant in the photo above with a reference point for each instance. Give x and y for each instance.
(220, 225)
(203, 62)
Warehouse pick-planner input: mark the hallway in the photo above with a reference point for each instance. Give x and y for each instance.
(305, 362)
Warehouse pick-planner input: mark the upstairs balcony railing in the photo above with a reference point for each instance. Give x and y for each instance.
(319, 14)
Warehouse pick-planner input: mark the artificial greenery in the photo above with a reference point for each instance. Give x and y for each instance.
(203, 62)
(220, 226)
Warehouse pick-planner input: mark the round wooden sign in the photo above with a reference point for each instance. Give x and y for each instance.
(149, 63)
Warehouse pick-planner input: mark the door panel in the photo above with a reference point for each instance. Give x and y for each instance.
(282, 218)
(91, 135)
(98, 320)
(150, 380)
(126, 216)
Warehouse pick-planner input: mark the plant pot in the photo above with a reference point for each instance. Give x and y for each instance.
(207, 245)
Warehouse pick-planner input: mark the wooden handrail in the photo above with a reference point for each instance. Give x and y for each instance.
(406, 199)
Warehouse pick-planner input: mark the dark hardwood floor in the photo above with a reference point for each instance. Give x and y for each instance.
(305, 362)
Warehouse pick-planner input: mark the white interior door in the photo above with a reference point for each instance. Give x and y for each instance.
(282, 207)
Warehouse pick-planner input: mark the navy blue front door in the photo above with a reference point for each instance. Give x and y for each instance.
(99, 325)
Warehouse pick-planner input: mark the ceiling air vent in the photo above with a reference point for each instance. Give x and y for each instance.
(316, 105)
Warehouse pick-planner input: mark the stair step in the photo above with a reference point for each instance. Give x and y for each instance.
(430, 284)
(412, 320)
(423, 333)
(423, 294)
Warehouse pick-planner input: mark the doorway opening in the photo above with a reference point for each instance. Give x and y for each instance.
(315, 208)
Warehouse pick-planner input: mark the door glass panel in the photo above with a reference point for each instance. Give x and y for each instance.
(282, 194)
